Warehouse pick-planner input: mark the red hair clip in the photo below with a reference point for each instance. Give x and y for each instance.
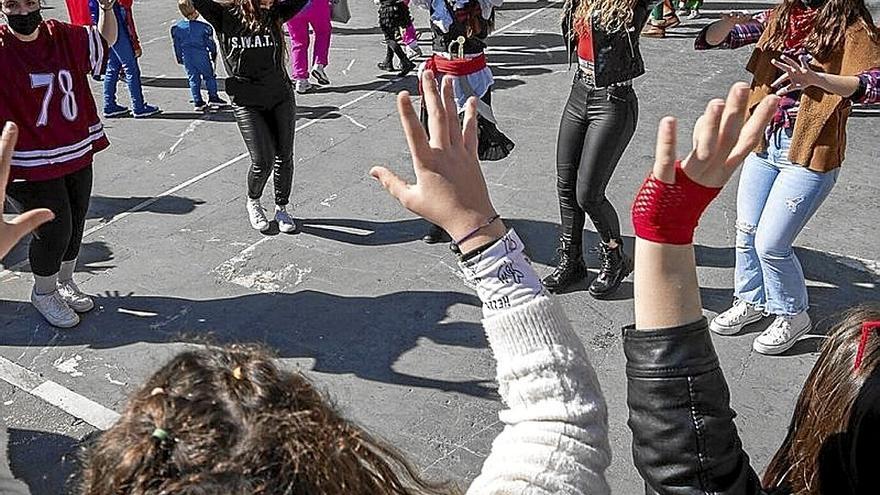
(866, 331)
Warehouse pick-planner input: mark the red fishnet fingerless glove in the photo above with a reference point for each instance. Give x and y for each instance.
(669, 213)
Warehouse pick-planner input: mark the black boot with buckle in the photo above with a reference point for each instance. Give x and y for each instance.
(615, 266)
(569, 270)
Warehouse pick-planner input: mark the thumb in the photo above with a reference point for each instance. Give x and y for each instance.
(665, 153)
(28, 221)
(395, 186)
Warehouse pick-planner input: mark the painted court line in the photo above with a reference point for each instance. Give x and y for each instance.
(67, 400)
(13, 271)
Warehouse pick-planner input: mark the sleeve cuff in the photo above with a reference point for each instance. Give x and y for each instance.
(534, 326)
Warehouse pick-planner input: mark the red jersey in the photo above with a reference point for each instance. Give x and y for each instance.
(44, 88)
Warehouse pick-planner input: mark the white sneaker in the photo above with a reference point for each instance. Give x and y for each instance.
(782, 334)
(413, 50)
(734, 319)
(257, 215)
(319, 75)
(54, 309)
(286, 223)
(302, 86)
(76, 299)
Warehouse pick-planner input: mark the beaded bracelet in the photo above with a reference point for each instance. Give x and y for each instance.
(454, 245)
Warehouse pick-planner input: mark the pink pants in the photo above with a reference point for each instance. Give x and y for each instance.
(316, 14)
(409, 34)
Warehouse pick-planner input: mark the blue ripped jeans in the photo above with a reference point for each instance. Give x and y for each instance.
(775, 200)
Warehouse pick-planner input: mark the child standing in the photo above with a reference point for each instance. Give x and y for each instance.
(394, 16)
(195, 49)
(317, 15)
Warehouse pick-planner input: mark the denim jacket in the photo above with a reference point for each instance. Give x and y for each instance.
(618, 58)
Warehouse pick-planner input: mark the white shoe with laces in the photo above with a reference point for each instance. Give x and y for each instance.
(54, 309)
(302, 86)
(783, 333)
(734, 319)
(286, 223)
(76, 299)
(257, 215)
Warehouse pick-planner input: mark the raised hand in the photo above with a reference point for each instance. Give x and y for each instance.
(675, 195)
(11, 232)
(722, 139)
(450, 190)
(797, 73)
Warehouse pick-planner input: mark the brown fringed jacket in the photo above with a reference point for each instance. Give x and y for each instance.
(819, 139)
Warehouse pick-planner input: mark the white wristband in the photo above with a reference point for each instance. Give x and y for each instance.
(503, 275)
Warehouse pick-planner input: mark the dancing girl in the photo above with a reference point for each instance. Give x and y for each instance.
(262, 95)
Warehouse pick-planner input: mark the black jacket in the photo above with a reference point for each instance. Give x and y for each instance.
(254, 59)
(684, 438)
(618, 57)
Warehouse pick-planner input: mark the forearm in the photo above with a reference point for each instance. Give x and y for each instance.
(666, 291)
(844, 86)
(555, 413)
(717, 32)
(107, 25)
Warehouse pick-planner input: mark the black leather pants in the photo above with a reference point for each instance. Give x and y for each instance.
(597, 125)
(268, 134)
(684, 439)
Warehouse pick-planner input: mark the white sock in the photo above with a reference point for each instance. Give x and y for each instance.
(45, 285)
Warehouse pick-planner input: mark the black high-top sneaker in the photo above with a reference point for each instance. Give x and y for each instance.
(569, 270)
(615, 266)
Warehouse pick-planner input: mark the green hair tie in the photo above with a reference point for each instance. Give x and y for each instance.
(160, 434)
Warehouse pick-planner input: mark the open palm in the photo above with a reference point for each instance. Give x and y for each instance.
(12, 231)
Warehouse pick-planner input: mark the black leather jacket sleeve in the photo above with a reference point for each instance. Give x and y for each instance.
(684, 439)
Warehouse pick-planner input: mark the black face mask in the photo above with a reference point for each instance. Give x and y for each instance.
(813, 4)
(25, 24)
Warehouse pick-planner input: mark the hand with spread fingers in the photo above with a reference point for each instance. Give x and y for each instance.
(11, 232)
(674, 196)
(450, 190)
(797, 73)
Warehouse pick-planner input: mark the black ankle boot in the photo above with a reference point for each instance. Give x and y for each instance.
(435, 234)
(569, 270)
(615, 266)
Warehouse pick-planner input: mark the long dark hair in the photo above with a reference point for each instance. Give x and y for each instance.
(832, 20)
(221, 421)
(824, 406)
(257, 19)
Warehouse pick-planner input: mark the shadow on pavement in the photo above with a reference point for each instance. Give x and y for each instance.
(46, 462)
(361, 336)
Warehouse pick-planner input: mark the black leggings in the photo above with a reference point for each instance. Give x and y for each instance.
(58, 240)
(597, 125)
(268, 135)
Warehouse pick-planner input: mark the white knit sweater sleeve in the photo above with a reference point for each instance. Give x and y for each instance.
(555, 438)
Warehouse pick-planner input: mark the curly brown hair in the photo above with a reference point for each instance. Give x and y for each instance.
(227, 420)
(825, 404)
(832, 20)
(613, 15)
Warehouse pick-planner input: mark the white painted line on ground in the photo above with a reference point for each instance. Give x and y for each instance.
(14, 271)
(65, 399)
